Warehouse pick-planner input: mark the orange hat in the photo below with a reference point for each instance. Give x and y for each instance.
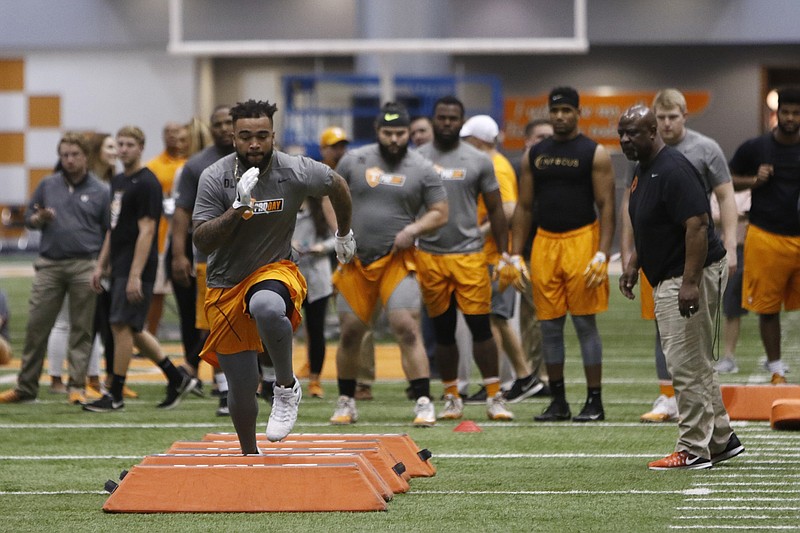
(333, 136)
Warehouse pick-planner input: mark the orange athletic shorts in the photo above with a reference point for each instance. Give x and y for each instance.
(232, 328)
(771, 274)
(201, 320)
(362, 285)
(465, 275)
(558, 261)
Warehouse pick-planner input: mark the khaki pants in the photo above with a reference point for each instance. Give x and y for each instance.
(704, 427)
(52, 281)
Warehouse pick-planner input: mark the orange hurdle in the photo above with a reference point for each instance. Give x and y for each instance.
(400, 445)
(754, 402)
(785, 414)
(244, 488)
(389, 469)
(370, 472)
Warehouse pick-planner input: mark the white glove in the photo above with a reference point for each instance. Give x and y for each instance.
(511, 270)
(597, 271)
(244, 187)
(345, 247)
(168, 206)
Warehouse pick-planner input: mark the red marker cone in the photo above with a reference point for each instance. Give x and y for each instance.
(467, 426)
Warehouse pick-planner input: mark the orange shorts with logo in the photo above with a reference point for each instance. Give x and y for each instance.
(466, 275)
(771, 276)
(201, 320)
(362, 285)
(646, 295)
(232, 328)
(558, 261)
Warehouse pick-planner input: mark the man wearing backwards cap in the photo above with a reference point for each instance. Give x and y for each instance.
(397, 196)
(769, 165)
(451, 262)
(570, 175)
(481, 131)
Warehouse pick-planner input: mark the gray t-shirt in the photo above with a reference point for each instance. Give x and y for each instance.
(386, 199)
(466, 172)
(186, 191)
(706, 156)
(266, 237)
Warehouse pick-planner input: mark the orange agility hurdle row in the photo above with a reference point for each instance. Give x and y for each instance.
(288, 487)
(305, 472)
(400, 445)
(378, 457)
(370, 472)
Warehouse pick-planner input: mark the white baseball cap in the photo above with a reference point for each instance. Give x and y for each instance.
(482, 127)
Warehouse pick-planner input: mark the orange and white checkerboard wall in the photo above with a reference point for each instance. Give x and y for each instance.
(30, 127)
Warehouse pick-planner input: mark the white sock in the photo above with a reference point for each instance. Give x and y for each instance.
(267, 373)
(221, 381)
(776, 367)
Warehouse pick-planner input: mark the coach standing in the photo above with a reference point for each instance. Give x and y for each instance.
(676, 247)
(71, 210)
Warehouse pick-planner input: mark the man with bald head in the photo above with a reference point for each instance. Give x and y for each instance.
(676, 247)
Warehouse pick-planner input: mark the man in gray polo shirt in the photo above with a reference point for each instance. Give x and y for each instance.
(70, 208)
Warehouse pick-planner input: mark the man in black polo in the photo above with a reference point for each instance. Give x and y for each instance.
(676, 247)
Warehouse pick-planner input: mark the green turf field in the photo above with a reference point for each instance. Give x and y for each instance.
(520, 476)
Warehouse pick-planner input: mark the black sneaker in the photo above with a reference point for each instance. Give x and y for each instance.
(176, 394)
(223, 410)
(523, 388)
(592, 411)
(733, 449)
(555, 412)
(478, 397)
(104, 404)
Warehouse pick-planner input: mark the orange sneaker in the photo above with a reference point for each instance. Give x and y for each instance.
(315, 389)
(777, 379)
(12, 396)
(303, 371)
(93, 392)
(681, 460)
(76, 397)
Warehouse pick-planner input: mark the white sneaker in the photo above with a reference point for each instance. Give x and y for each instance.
(496, 408)
(453, 407)
(345, 412)
(665, 409)
(779, 366)
(425, 414)
(284, 411)
(726, 365)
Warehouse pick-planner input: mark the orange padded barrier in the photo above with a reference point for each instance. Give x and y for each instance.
(400, 445)
(245, 489)
(388, 468)
(785, 414)
(754, 402)
(372, 475)
(318, 446)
